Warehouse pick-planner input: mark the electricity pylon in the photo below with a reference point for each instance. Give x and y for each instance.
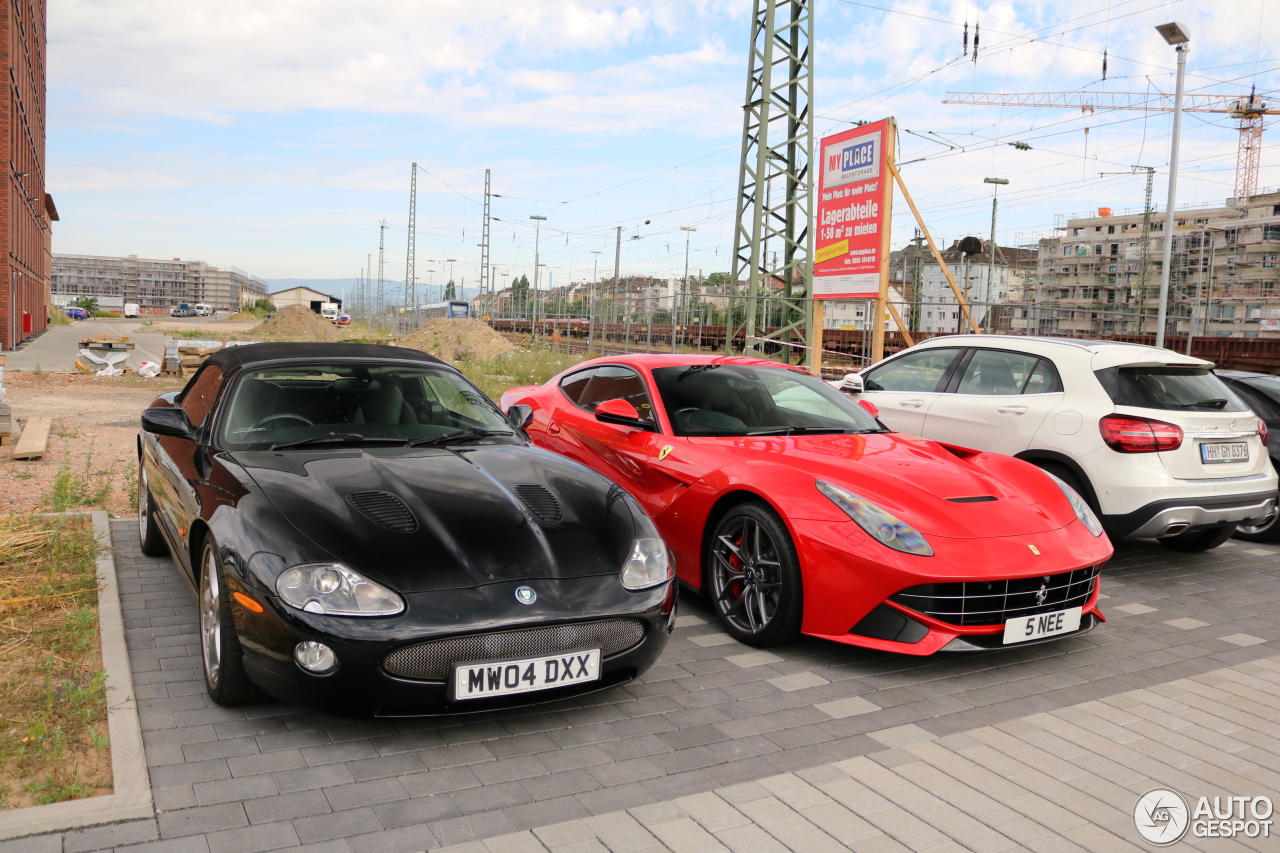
(486, 283)
(410, 281)
(777, 143)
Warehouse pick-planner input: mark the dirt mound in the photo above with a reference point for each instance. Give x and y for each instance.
(451, 340)
(295, 323)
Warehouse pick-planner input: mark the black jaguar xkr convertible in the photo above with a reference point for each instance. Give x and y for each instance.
(368, 534)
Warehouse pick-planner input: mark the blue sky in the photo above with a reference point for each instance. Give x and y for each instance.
(275, 136)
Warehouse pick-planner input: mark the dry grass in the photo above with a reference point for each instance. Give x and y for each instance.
(530, 366)
(53, 731)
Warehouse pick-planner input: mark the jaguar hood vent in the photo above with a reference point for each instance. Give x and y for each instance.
(386, 509)
(541, 502)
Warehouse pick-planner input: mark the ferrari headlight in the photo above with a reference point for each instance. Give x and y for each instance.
(1086, 516)
(647, 565)
(335, 590)
(881, 525)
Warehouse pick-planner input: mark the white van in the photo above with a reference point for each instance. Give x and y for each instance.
(131, 310)
(203, 309)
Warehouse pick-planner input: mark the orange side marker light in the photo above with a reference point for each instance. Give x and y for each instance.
(249, 603)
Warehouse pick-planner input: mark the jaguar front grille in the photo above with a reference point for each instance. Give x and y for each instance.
(993, 602)
(434, 659)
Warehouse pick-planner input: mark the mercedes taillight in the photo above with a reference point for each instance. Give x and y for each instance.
(1127, 434)
(1262, 433)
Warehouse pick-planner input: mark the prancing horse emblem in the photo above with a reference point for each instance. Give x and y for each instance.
(1042, 594)
(1034, 549)
(665, 452)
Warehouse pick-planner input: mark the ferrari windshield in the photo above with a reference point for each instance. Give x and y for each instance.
(732, 399)
(311, 404)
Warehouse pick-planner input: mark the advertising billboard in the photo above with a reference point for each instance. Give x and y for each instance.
(852, 233)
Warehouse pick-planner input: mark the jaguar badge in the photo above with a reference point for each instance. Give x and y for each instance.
(526, 595)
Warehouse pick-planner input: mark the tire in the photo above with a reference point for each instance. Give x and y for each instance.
(149, 537)
(1066, 475)
(1267, 532)
(1199, 540)
(220, 653)
(763, 605)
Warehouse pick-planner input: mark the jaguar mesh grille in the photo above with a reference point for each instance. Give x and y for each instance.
(541, 502)
(993, 602)
(434, 660)
(386, 509)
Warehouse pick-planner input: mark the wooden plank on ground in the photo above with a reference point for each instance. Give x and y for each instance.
(35, 436)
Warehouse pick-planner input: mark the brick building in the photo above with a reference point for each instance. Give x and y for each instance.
(26, 210)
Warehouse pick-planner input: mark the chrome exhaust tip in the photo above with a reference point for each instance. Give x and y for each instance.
(1173, 529)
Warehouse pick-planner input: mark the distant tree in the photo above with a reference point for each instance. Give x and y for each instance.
(520, 294)
(264, 305)
(88, 303)
(717, 278)
(449, 291)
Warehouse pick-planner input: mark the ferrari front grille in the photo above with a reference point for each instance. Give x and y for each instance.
(434, 660)
(386, 509)
(541, 502)
(994, 602)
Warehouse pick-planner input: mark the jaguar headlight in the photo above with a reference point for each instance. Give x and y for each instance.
(881, 525)
(647, 565)
(1086, 516)
(335, 590)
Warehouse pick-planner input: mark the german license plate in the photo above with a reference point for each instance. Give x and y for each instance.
(1224, 451)
(524, 675)
(1024, 628)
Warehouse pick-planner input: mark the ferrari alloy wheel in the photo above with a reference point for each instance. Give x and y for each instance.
(754, 576)
(1199, 540)
(151, 542)
(224, 675)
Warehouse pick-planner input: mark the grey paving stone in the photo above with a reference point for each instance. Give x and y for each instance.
(101, 837)
(324, 827)
(202, 819)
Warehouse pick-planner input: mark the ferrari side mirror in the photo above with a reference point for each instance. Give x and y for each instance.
(520, 415)
(870, 407)
(163, 421)
(619, 412)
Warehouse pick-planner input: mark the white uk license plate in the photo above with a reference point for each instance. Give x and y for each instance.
(1024, 628)
(525, 675)
(1224, 451)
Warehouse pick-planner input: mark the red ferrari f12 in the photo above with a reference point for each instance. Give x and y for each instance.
(796, 511)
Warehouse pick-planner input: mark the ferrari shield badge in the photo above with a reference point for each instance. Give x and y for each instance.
(1034, 549)
(526, 595)
(665, 452)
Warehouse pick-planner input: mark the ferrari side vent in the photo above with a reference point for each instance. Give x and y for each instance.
(386, 509)
(434, 660)
(541, 502)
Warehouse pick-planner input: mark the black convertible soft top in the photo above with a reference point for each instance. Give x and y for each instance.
(237, 356)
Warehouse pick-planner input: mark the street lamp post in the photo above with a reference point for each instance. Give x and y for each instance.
(537, 234)
(684, 282)
(991, 246)
(1176, 36)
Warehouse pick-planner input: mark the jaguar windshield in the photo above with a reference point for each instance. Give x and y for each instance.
(317, 405)
(723, 400)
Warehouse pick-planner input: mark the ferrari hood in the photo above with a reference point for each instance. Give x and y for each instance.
(429, 519)
(959, 495)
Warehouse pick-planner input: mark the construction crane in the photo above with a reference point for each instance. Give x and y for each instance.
(1248, 110)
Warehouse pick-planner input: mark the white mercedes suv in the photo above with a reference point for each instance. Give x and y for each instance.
(1157, 444)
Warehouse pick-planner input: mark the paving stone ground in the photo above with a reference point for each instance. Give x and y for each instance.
(813, 746)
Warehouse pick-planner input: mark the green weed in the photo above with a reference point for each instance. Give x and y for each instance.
(72, 488)
(523, 367)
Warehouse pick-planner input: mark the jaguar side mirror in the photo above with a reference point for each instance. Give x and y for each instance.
(519, 415)
(165, 421)
(619, 412)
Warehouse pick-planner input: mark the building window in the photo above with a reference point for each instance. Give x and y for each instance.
(1115, 248)
(1097, 248)
(1111, 229)
(1233, 236)
(1271, 232)
(1112, 268)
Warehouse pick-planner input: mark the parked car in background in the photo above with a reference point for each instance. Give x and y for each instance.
(1158, 445)
(202, 309)
(131, 309)
(795, 511)
(342, 320)
(182, 309)
(1261, 392)
(368, 534)
(76, 313)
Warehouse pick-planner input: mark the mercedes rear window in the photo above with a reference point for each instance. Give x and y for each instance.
(1167, 387)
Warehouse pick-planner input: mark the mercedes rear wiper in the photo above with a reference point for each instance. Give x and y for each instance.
(460, 435)
(1218, 403)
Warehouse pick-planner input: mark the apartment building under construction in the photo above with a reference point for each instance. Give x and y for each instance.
(1101, 274)
(154, 285)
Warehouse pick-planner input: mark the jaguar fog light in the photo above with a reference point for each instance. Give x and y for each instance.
(315, 658)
